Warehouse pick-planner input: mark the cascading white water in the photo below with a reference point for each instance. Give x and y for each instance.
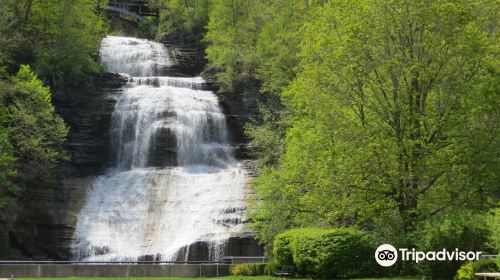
(175, 180)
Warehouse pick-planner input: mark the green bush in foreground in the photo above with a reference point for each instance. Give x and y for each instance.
(327, 253)
(249, 269)
(468, 232)
(467, 271)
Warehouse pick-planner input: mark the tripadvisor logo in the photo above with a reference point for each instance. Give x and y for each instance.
(387, 255)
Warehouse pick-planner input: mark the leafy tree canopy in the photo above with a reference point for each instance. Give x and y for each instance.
(58, 38)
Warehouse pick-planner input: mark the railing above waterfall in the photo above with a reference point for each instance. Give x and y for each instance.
(136, 9)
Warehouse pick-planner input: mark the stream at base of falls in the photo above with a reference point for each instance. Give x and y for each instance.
(175, 180)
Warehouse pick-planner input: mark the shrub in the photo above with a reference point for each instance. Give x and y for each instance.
(282, 249)
(467, 271)
(327, 253)
(493, 221)
(249, 269)
(465, 232)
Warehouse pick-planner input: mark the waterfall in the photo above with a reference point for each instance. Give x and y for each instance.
(175, 180)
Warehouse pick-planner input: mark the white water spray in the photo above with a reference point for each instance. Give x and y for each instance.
(175, 181)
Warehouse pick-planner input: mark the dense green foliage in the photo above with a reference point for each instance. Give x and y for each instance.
(7, 171)
(32, 135)
(468, 270)
(327, 253)
(182, 20)
(493, 222)
(254, 46)
(32, 141)
(147, 27)
(58, 38)
(384, 125)
(35, 131)
(467, 232)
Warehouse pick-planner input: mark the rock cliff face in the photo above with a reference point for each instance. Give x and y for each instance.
(46, 223)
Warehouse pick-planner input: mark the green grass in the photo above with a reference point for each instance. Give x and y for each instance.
(215, 278)
(161, 278)
(156, 278)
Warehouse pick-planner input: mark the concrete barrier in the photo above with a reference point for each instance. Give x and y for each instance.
(113, 270)
(246, 259)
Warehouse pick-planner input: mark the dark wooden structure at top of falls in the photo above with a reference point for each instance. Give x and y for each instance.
(134, 9)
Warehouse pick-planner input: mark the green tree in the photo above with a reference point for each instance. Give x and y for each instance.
(493, 222)
(7, 172)
(233, 29)
(32, 140)
(253, 45)
(8, 189)
(394, 117)
(277, 46)
(182, 20)
(465, 231)
(58, 38)
(36, 132)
